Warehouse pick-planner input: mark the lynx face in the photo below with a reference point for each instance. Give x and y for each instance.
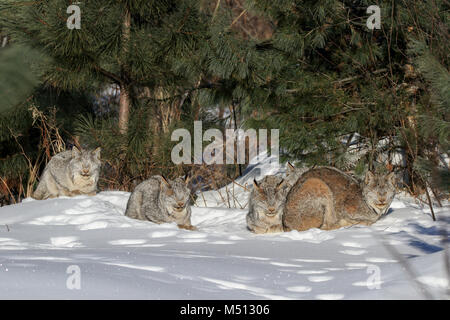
(85, 166)
(269, 198)
(174, 196)
(378, 191)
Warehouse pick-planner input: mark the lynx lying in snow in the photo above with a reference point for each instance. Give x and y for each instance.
(159, 200)
(266, 205)
(70, 173)
(327, 198)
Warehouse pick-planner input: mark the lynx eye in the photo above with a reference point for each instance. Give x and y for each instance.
(169, 192)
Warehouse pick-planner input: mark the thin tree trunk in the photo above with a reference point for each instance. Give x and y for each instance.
(124, 109)
(429, 200)
(124, 100)
(235, 118)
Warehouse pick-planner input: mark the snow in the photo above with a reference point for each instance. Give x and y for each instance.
(236, 193)
(43, 244)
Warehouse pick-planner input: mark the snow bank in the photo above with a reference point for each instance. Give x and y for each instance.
(47, 246)
(123, 258)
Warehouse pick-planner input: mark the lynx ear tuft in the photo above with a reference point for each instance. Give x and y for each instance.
(96, 153)
(187, 179)
(281, 184)
(257, 186)
(164, 182)
(75, 151)
(369, 177)
(290, 167)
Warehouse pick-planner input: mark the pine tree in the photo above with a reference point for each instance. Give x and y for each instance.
(339, 84)
(435, 119)
(16, 82)
(136, 48)
(133, 44)
(340, 93)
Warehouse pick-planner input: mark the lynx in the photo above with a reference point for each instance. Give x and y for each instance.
(266, 205)
(327, 198)
(160, 200)
(70, 173)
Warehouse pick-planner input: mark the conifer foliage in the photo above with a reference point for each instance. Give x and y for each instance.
(340, 93)
(342, 84)
(131, 43)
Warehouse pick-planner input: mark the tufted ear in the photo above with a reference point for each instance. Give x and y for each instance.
(290, 167)
(280, 185)
(164, 182)
(369, 177)
(75, 152)
(256, 185)
(187, 179)
(96, 153)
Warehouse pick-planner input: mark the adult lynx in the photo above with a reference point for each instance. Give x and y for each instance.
(160, 200)
(266, 205)
(70, 173)
(327, 198)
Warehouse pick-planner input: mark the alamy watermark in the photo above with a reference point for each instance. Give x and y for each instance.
(74, 20)
(73, 281)
(374, 21)
(222, 148)
(374, 280)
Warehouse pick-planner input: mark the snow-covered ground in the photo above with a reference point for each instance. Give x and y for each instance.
(46, 245)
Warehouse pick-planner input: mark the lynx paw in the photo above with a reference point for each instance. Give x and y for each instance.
(187, 227)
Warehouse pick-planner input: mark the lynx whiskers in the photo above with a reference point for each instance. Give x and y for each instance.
(379, 191)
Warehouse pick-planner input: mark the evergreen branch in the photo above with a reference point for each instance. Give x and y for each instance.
(215, 10)
(184, 95)
(349, 79)
(111, 76)
(235, 20)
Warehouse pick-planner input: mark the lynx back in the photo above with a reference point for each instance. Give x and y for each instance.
(327, 198)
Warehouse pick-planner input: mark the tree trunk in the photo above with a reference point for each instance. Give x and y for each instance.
(124, 101)
(124, 109)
